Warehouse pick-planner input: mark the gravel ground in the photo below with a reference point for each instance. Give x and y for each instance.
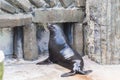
(22, 70)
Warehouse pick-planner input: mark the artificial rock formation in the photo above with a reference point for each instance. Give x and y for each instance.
(30, 42)
(103, 31)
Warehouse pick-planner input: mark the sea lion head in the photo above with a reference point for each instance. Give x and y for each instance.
(54, 28)
(51, 27)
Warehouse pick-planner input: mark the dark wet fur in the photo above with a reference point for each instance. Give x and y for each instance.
(73, 73)
(55, 56)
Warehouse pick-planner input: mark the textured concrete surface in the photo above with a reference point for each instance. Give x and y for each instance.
(39, 72)
(78, 38)
(24, 5)
(58, 15)
(7, 7)
(80, 3)
(37, 3)
(66, 3)
(103, 31)
(6, 40)
(30, 42)
(14, 20)
(21, 70)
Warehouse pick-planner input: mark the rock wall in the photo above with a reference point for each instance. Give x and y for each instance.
(103, 31)
(101, 40)
(28, 41)
(78, 38)
(6, 41)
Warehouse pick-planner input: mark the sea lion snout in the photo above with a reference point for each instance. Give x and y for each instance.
(50, 26)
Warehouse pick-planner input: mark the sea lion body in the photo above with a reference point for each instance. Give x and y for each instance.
(62, 53)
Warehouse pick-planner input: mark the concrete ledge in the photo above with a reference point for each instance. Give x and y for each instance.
(15, 20)
(58, 15)
(43, 16)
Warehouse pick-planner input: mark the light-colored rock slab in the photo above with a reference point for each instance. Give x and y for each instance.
(58, 15)
(80, 3)
(14, 20)
(37, 3)
(30, 42)
(7, 7)
(103, 31)
(78, 37)
(24, 5)
(66, 3)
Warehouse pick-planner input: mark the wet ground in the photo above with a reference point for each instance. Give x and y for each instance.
(21, 70)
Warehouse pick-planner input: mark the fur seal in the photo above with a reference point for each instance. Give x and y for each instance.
(60, 52)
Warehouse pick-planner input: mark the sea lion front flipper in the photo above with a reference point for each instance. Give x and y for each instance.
(47, 61)
(68, 74)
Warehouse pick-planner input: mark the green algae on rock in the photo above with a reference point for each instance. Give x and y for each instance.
(1, 70)
(1, 64)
